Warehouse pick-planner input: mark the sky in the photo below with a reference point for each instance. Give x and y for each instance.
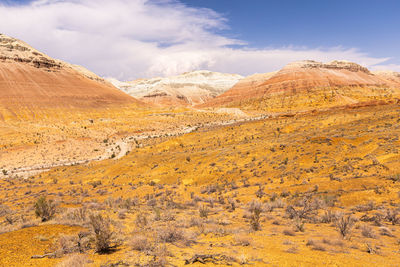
(129, 39)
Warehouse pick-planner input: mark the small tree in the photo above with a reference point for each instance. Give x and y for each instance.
(45, 209)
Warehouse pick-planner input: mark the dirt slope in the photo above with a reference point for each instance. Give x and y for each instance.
(31, 81)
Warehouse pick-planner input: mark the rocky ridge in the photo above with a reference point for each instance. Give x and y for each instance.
(335, 65)
(12, 49)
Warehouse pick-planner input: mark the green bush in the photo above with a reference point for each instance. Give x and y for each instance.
(45, 209)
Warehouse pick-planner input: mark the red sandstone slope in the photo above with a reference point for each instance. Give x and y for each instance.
(243, 88)
(305, 84)
(32, 80)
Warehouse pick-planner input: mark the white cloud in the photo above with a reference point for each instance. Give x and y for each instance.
(129, 39)
(392, 67)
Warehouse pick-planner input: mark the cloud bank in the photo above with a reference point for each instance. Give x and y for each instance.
(129, 39)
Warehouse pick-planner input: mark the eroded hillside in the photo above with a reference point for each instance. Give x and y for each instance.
(307, 85)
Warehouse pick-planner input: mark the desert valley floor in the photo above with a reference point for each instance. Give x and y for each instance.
(197, 195)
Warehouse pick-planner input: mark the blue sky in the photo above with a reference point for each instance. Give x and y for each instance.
(129, 39)
(371, 25)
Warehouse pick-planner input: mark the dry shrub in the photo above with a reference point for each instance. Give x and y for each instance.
(386, 231)
(306, 208)
(241, 240)
(4, 210)
(392, 216)
(45, 209)
(7, 228)
(311, 242)
(329, 216)
(76, 260)
(255, 208)
(319, 247)
(95, 206)
(74, 216)
(172, 234)
(278, 203)
(366, 207)
(372, 249)
(115, 264)
(376, 218)
(140, 243)
(345, 225)
(315, 245)
(289, 232)
(211, 201)
(268, 207)
(152, 202)
(195, 221)
(243, 259)
(141, 220)
(275, 204)
(276, 222)
(129, 203)
(333, 242)
(298, 225)
(203, 211)
(216, 229)
(11, 219)
(102, 233)
(167, 216)
(223, 221)
(68, 244)
(260, 192)
(292, 249)
(159, 256)
(367, 231)
(287, 242)
(231, 205)
(122, 214)
(209, 189)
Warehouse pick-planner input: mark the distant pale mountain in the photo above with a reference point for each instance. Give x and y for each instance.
(391, 76)
(190, 88)
(308, 85)
(32, 81)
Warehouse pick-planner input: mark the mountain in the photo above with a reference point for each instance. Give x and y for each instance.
(190, 88)
(391, 76)
(307, 85)
(32, 81)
